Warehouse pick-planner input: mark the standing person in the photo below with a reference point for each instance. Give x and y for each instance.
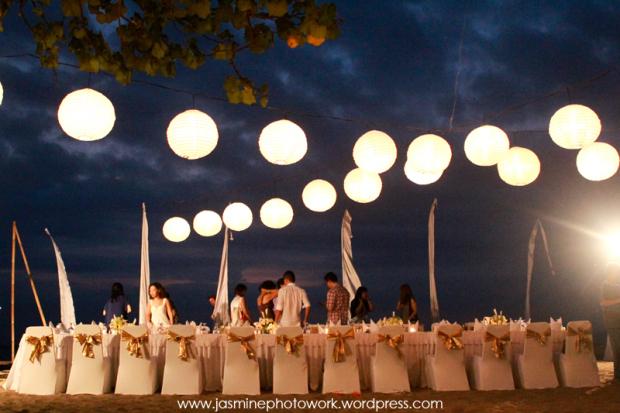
(268, 292)
(361, 306)
(117, 305)
(239, 314)
(337, 304)
(279, 284)
(159, 311)
(407, 308)
(215, 315)
(291, 299)
(610, 304)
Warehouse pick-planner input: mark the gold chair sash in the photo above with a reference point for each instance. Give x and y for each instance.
(540, 337)
(393, 342)
(584, 337)
(340, 347)
(499, 343)
(451, 341)
(40, 346)
(87, 342)
(291, 344)
(135, 344)
(185, 348)
(245, 344)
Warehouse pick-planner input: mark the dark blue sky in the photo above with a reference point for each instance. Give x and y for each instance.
(393, 69)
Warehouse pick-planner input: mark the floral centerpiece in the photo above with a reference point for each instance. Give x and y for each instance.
(117, 323)
(495, 319)
(266, 325)
(391, 321)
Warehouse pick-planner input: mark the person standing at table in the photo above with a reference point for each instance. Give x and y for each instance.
(361, 306)
(291, 299)
(337, 303)
(610, 304)
(239, 314)
(159, 311)
(268, 292)
(117, 305)
(407, 308)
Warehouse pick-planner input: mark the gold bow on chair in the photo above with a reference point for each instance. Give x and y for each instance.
(185, 349)
(340, 347)
(451, 341)
(393, 342)
(499, 343)
(540, 337)
(291, 344)
(134, 344)
(40, 344)
(245, 344)
(583, 335)
(87, 342)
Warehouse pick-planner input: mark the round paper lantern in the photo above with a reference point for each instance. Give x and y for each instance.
(429, 153)
(374, 151)
(192, 134)
(276, 213)
(237, 216)
(598, 161)
(486, 145)
(282, 142)
(1, 93)
(176, 229)
(86, 115)
(319, 195)
(421, 178)
(574, 126)
(362, 186)
(519, 167)
(207, 223)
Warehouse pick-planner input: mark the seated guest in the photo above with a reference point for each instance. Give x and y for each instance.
(361, 306)
(291, 299)
(239, 314)
(337, 304)
(117, 305)
(159, 311)
(407, 308)
(268, 292)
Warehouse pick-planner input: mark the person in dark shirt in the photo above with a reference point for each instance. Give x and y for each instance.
(361, 306)
(117, 305)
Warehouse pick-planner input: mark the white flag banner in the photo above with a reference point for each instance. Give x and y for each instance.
(67, 310)
(145, 268)
(350, 280)
(220, 309)
(531, 248)
(431, 263)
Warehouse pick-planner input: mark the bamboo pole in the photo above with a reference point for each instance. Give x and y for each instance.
(13, 292)
(34, 289)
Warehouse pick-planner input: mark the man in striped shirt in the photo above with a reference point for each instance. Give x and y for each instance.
(337, 304)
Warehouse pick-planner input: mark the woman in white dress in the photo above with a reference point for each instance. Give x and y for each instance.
(159, 311)
(239, 314)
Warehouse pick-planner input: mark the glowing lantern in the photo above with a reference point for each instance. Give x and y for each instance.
(598, 161)
(237, 216)
(486, 145)
(1, 93)
(192, 134)
(519, 167)
(374, 151)
(574, 126)
(207, 223)
(86, 115)
(276, 213)
(429, 154)
(362, 186)
(421, 178)
(319, 195)
(282, 142)
(176, 229)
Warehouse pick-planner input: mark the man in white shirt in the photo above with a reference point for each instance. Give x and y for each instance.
(291, 299)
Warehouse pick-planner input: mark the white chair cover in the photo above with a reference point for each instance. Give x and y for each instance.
(577, 365)
(89, 375)
(491, 372)
(241, 373)
(342, 376)
(136, 375)
(446, 368)
(182, 376)
(535, 369)
(388, 368)
(44, 376)
(290, 371)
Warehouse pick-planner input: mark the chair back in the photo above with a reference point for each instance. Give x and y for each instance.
(578, 338)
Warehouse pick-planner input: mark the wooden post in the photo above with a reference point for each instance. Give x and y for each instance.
(13, 292)
(34, 289)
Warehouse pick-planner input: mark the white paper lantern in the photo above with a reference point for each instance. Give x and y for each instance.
(429, 153)
(598, 161)
(319, 195)
(176, 229)
(192, 134)
(574, 126)
(237, 216)
(86, 115)
(1, 94)
(421, 178)
(375, 151)
(519, 167)
(282, 142)
(486, 145)
(276, 213)
(207, 223)
(362, 186)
